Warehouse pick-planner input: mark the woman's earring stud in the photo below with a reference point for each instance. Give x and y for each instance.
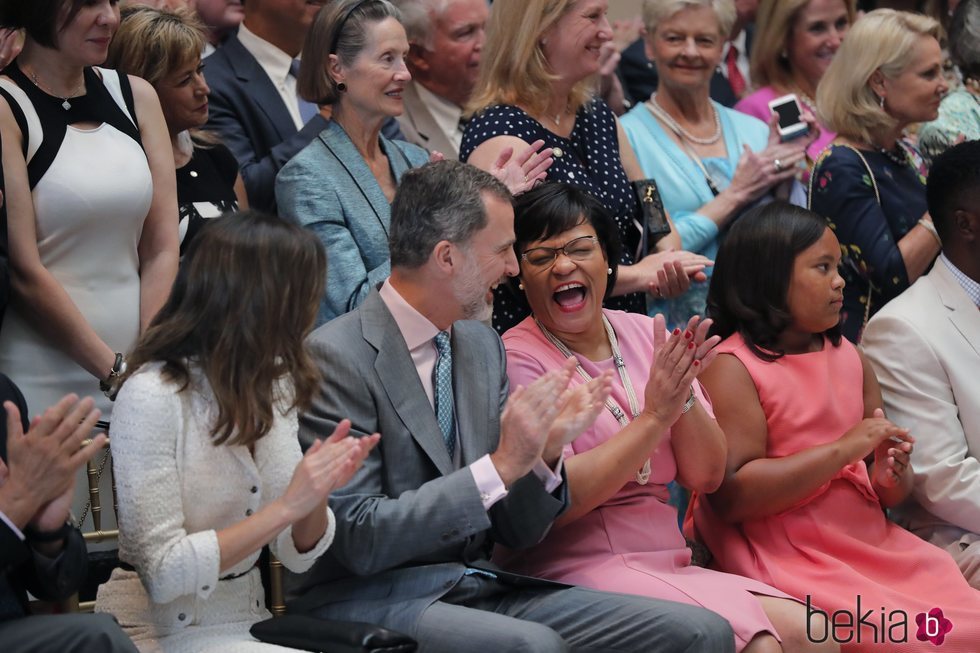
(608, 270)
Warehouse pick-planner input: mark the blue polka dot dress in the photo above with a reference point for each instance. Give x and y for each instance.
(589, 159)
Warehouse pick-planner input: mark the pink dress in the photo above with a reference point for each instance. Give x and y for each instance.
(757, 105)
(631, 544)
(836, 547)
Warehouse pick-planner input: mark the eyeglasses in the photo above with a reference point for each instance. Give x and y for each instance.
(577, 249)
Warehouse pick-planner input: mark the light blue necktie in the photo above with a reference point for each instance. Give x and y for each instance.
(442, 382)
(306, 109)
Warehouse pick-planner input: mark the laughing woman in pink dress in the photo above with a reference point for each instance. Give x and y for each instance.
(812, 461)
(620, 534)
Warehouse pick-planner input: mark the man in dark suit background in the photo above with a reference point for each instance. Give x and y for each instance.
(460, 466)
(253, 102)
(39, 551)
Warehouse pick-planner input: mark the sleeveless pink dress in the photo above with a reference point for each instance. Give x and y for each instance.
(836, 547)
(631, 544)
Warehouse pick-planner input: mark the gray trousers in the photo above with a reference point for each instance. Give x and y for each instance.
(64, 633)
(482, 614)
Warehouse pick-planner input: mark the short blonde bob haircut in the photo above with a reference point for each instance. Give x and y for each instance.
(775, 20)
(154, 43)
(514, 69)
(340, 28)
(657, 11)
(884, 40)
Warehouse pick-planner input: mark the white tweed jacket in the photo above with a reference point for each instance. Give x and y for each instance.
(176, 489)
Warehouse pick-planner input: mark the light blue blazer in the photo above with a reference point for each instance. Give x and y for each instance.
(328, 188)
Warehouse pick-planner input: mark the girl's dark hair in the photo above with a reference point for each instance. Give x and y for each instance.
(245, 298)
(752, 273)
(554, 207)
(40, 19)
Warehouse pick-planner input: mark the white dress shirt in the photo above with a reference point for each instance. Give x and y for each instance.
(276, 64)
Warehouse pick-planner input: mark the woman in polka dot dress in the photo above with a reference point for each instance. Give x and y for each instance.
(539, 65)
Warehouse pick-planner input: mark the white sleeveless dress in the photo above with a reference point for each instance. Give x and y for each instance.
(89, 207)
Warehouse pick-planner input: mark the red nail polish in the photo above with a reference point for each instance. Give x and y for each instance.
(688, 335)
(690, 345)
(677, 332)
(697, 363)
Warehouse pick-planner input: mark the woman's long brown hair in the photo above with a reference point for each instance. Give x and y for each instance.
(245, 298)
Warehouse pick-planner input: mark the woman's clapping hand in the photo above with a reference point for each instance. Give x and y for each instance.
(519, 173)
(678, 360)
(758, 172)
(326, 466)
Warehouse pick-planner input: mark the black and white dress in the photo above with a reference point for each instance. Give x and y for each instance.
(205, 189)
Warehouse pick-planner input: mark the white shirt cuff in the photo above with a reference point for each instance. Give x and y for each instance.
(550, 478)
(9, 523)
(488, 481)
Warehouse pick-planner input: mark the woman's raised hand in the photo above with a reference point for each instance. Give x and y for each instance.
(326, 466)
(879, 435)
(758, 172)
(521, 172)
(671, 272)
(678, 359)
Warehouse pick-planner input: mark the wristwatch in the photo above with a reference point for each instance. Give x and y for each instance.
(56, 535)
(690, 401)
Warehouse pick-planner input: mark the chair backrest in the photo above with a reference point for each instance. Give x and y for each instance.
(96, 468)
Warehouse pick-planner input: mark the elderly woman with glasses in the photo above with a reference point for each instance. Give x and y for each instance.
(620, 534)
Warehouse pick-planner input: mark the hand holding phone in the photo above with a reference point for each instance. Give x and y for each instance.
(790, 113)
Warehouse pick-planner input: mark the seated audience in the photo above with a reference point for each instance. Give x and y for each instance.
(620, 534)
(812, 460)
(794, 45)
(40, 551)
(89, 186)
(959, 112)
(710, 163)
(207, 462)
(164, 48)
(341, 185)
(462, 466)
(541, 88)
(445, 42)
(925, 347)
(870, 183)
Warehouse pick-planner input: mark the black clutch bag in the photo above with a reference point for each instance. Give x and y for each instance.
(653, 218)
(331, 636)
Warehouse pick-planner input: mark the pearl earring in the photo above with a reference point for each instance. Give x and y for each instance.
(520, 284)
(608, 270)
(881, 102)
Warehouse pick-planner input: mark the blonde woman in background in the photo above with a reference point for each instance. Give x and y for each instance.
(164, 47)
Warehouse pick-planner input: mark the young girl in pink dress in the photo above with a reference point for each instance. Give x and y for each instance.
(620, 534)
(812, 461)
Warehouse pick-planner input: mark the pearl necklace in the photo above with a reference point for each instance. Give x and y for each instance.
(661, 113)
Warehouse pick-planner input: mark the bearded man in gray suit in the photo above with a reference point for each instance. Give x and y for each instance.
(460, 466)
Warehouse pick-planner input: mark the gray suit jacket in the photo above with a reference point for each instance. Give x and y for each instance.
(410, 523)
(420, 127)
(329, 189)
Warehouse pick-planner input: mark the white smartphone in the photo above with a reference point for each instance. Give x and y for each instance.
(790, 112)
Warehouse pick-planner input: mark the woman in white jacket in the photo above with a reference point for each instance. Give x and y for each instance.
(208, 466)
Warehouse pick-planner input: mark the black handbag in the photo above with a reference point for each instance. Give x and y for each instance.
(331, 636)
